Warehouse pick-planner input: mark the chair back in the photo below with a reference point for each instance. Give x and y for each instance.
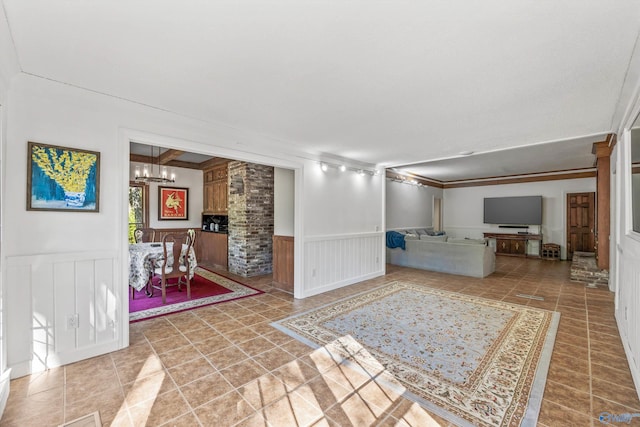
(144, 235)
(180, 256)
(192, 236)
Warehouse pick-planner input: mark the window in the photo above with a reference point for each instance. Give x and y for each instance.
(138, 208)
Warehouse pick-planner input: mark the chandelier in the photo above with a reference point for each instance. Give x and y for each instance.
(147, 173)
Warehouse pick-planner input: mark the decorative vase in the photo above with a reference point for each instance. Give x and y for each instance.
(74, 199)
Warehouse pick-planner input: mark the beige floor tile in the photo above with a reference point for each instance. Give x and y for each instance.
(205, 389)
(224, 411)
(191, 371)
(148, 388)
(243, 372)
(157, 411)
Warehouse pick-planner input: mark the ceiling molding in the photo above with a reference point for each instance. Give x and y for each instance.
(419, 179)
(522, 179)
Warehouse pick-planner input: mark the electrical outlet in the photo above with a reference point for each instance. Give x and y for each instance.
(73, 321)
(377, 259)
(313, 272)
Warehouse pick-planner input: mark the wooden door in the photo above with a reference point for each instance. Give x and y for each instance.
(581, 209)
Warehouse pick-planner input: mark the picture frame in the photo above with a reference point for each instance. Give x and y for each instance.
(62, 178)
(173, 203)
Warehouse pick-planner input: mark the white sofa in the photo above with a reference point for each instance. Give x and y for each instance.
(455, 256)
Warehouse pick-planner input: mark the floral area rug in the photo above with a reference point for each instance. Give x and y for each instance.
(470, 360)
(207, 288)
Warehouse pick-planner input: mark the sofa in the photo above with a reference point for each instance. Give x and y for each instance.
(467, 257)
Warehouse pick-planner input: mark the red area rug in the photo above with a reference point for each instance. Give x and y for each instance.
(207, 288)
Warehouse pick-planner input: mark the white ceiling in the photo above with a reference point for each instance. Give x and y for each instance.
(381, 82)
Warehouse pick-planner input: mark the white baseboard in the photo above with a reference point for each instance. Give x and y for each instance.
(342, 283)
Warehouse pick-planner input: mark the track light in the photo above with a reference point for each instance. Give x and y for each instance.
(343, 168)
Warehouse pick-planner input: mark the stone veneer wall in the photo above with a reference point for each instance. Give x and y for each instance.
(584, 269)
(250, 219)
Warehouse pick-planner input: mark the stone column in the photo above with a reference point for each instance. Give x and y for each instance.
(250, 218)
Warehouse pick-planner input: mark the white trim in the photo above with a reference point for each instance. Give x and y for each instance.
(15, 260)
(324, 237)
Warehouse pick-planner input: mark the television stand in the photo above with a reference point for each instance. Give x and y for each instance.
(514, 244)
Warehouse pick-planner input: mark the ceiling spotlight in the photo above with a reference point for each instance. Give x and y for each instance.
(466, 153)
(376, 172)
(324, 167)
(360, 172)
(343, 168)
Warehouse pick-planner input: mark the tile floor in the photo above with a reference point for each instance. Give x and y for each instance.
(224, 365)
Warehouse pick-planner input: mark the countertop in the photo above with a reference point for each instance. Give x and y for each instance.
(215, 232)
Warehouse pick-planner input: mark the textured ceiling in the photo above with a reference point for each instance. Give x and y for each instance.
(380, 82)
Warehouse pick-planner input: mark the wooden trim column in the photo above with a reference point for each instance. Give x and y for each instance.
(602, 150)
(283, 263)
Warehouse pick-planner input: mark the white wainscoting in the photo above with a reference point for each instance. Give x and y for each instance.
(334, 261)
(628, 311)
(43, 292)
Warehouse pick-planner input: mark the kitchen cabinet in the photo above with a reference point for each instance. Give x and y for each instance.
(215, 187)
(213, 249)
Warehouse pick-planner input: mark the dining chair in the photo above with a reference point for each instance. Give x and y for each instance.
(175, 264)
(144, 235)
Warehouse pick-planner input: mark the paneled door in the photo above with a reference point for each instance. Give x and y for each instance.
(580, 223)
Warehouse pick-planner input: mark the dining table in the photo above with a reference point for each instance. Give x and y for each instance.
(145, 257)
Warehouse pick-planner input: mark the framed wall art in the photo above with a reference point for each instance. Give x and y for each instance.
(173, 203)
(62, 179)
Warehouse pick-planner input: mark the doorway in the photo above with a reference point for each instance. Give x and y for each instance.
(580, 223)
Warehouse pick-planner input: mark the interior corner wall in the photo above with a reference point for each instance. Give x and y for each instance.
(283, 202)
(409, 206)
(464, 207)
(343, 235)
(185, 178)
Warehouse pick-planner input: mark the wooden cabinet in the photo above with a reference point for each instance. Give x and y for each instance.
(512, 244)
(215, 199)
(212, 249)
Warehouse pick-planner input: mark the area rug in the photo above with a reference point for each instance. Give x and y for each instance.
(207, 288)
(470, 360)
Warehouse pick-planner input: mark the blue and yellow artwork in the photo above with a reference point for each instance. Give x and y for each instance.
(62, 178)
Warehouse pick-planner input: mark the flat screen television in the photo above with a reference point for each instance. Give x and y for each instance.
(524, 210)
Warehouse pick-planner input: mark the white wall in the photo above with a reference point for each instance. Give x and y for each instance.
(409, 206)
(185, 178)
(8, 68)
(283, 202)
(625, 243)
(344, 241)
(463, 207)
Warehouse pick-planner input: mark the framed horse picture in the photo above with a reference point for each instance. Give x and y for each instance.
(173, 203)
